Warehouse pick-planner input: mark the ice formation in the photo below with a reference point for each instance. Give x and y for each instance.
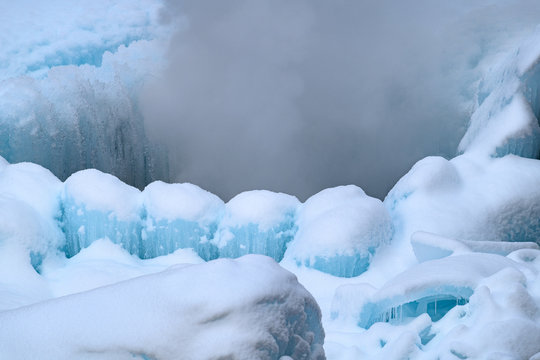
(68, 94)
(339, 230)
(179, 216)
(97, 205)
(447, 267)
(257, 222)
(506, 121)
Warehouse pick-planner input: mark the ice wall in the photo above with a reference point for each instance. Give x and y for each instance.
(257, 222)
(69, 89)
(180, 216)
(336, 231)
(506, 121)
(98, 205)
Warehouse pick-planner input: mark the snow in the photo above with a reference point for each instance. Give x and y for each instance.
(339, 230)
(257, 222)
(506, 121)
(447, 267)
(263, 314)
(466, 209)
(99, 205)
(69, 83)
(428, 246)
(179, 216)
(181, 201)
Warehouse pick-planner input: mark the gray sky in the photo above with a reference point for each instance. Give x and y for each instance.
(297, 96)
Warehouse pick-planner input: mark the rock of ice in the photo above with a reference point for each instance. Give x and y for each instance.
(98, 205)
(257, 222)
(180, 216)
(339, 230)
(193, 312)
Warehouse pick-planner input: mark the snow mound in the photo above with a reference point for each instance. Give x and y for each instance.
(339, 230)
(192, 312)
(464, 206)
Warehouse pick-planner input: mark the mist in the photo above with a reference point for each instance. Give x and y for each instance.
(298, 96)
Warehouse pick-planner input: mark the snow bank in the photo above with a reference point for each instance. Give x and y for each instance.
(257, 222)
(479, 306)
(469, 199)
(98, 205)
(192, 312)
(180, 216)
(30, 209)
(339, 230)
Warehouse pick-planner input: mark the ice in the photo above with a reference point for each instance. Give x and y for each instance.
(263, 314)
(448, 267)
(180, 216)
(97, 205)
(433, 287)
(506, 121)
(339, 230)
(69, 87)
(257, 222)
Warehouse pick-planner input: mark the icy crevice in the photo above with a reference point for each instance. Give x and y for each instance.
(435, 302)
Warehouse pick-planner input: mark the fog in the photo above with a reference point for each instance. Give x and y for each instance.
(297, 96)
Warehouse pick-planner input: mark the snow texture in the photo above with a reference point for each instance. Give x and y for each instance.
(191, 312)
(339, 230)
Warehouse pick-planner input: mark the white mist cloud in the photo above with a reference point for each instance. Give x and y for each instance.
(296, 96)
